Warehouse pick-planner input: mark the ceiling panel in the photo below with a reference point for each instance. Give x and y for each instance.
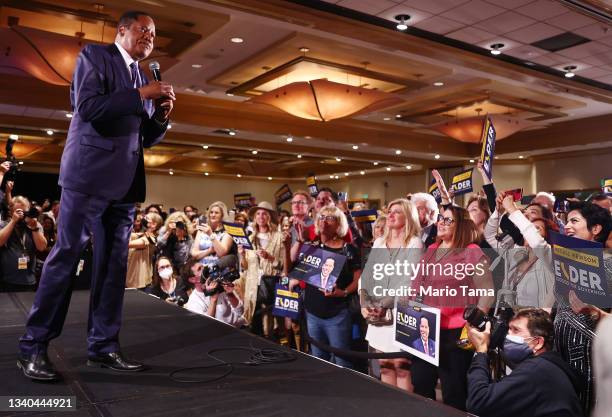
(471, 35)
(434, 7)
(505, 22)
(439, 24)
(368, 6)
(416, 15)
(472, 12)
(584, 50)
(594, 31)
(570, 21)
(542, 9)
(534, 33)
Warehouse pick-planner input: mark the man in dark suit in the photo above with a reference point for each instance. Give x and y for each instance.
(324, 280)
(424, 343)
(117, 113)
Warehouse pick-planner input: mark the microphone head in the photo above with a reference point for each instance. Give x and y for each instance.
(154, 65)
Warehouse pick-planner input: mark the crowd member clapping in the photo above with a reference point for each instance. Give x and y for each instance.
(174, 240)
(141, 251)
(211, 241)
(402, 242)
(20, 237)
(456, 245)
(263, 265)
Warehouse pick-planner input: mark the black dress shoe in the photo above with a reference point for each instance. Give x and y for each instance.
(38, 367)
(115, 361)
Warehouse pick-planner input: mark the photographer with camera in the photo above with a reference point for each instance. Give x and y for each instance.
(141, 251)
(541, 384)
(214, 292)
(20, 238)
(174, 240)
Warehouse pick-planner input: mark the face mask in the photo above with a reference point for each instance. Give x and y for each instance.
(165, 273)
(515, 350)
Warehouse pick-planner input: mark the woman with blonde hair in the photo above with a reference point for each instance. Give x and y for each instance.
(141, 251)
(211, 241)
(262, 263)
(400, 242)
(174, 240)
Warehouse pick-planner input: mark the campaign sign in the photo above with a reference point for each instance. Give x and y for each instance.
(417, 331)
(578, 266)
(242, 200)
(239, 234)
(283, 194)
(286, 303)
(462, 182)
(488, 147)
(318, 267)
(311, 183)
(435, 191)
(606, 186)
(364, 216)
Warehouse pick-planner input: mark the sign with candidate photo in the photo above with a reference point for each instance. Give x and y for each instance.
(283, 194)
(318, 267)
(243, 200)
(238, 233)
(417, 331)
(364, 216)
(435, 191)
(606, 186)
(578, 266)
(311, 183)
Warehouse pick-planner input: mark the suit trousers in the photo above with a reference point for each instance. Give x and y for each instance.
(454, 364)
(110, 223)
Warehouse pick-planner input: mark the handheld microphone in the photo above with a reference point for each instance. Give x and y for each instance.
(154, 67)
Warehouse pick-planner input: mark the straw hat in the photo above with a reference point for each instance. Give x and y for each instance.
(264, 205)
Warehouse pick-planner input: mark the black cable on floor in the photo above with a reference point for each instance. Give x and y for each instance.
(259, 356)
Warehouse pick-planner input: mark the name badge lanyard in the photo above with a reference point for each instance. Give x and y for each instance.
(22, 262)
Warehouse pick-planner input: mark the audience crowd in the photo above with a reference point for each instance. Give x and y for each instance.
(186, 257)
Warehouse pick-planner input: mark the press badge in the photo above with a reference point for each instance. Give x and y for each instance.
(22, 263)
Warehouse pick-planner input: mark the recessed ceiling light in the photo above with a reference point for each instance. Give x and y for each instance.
(337, 177)
(386, 119)
(206, 173)
(408, 166)
(237, 40)
(346, 174)
(196, 65)
(170, 172)
(496, 48)
(398, 152)
(338, 159)
(362, 172)
(398, 116)
(331, 177)
(438, 83)
(437, 156)
(239, 175)
(308, 137)
(375, 162)
(229, 94)
(50, 132)
(402, 19)
(69, 115)
(205, 146)
(20, 162)
(497, 157)
(231, 132)
(254, 152)
(169, 125)
(521, 156)
(299, 156)
(471, 161)
(270, 178)
(289, 139)
(569, 71)
(388, 168)
(14, 137)
(355, 147)
(304, 49)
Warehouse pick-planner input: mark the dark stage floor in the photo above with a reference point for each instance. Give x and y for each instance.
(165, 338)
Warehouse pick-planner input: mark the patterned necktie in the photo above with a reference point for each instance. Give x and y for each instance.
(134, 73)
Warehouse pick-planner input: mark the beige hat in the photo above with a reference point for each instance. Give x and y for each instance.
(265, 206)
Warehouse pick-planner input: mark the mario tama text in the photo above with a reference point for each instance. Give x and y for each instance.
(431, 291)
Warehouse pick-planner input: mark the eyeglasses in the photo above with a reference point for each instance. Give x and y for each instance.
(298, 203)
(327, 219)
(447, 221)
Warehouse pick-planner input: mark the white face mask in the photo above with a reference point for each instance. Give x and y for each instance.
(165, 273)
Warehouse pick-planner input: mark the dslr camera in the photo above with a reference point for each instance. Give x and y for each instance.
(11, 174)
(224, 271)
(499, 322)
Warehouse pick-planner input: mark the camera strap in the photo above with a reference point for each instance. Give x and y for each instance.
(518, 278)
